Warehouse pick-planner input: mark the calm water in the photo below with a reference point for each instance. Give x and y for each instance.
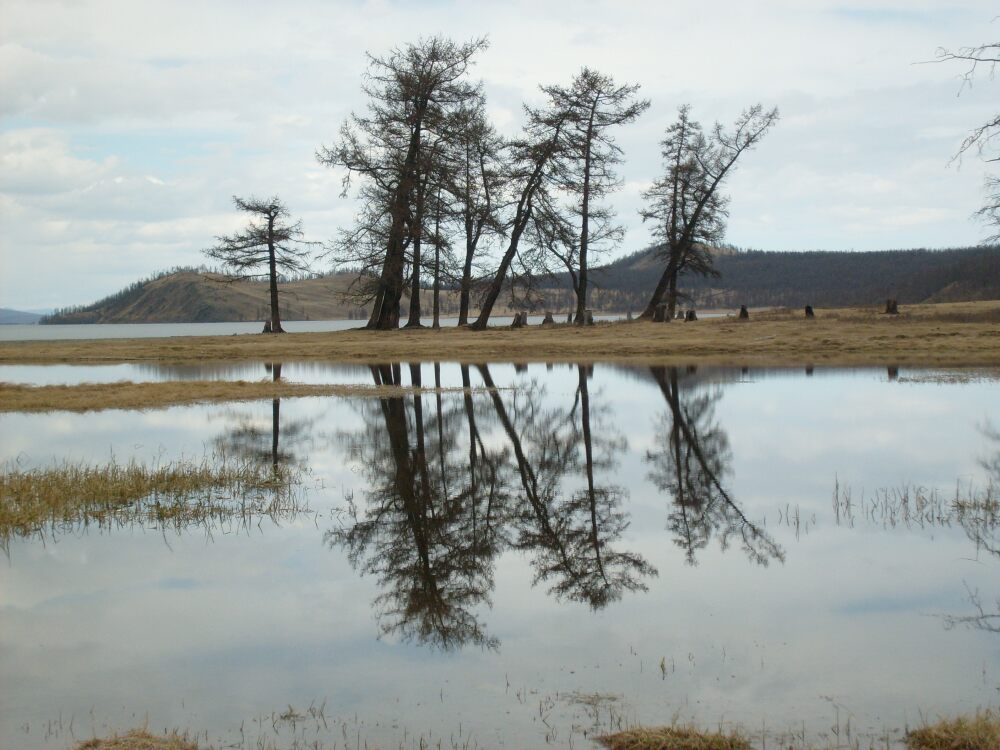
(577, 549)
(162, 330)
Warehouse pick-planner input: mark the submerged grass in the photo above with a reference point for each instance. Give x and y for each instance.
(979, 732)
(674, 738)
(127, 395)
(177, 495)
(139, 739)
(954, 334)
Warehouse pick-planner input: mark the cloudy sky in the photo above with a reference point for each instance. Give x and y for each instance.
(126, 126)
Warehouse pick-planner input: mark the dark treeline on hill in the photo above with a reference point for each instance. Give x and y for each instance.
(821, 278)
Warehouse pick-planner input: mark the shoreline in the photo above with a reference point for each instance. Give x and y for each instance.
(941, 335)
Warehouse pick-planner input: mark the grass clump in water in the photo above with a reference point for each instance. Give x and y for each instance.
(979, 732)
(139, 739)
(674, 738)
(70, 496)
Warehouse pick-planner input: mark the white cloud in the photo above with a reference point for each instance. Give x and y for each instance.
(126, 126)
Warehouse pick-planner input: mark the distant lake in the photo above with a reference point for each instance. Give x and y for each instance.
(163, 330)
(561, 551)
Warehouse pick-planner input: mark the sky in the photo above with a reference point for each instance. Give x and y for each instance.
(126, 126)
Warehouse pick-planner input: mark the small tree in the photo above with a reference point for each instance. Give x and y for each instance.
(266, 244)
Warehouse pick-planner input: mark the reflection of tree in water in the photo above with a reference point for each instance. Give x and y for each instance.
(443, 500)
(427, 534)
(690, 468)
(250, 440)
(569, 537)
(980, 518)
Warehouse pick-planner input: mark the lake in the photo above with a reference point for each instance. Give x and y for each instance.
(527, 557)
(164, 330)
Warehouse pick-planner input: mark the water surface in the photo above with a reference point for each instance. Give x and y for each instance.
(575, 549)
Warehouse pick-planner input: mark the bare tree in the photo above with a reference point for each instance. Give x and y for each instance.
(475, 183)
(532, 167)
(410, 94)
(594, 105)
(685, 204)
(985, 138)
(268, 243)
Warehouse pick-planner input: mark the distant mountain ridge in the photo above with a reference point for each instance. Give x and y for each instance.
(747, 277)
(17, 317)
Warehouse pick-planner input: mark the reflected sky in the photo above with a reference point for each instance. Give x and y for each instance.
(209, 631)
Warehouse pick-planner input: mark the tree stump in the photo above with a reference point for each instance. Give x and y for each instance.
(660, 314)
(588, 317)
(628, 315)
(549, 320)
(744, 313)
(569, 317)
(892, 371)
(267, 326)
(518, 321)
(809, 312)
(891, 307)
(691, 316)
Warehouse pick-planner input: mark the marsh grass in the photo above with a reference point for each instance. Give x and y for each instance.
(174, 496)
(139, 739)
(674, 738)
(979, 732)
(975, 509)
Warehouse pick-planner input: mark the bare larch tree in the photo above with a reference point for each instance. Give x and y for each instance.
(985, 138)
(268, 243)
(411, 91)
(686, 206)
(593, 105)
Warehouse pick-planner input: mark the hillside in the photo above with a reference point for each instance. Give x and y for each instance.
(827, 279)
(17, 317)
(195, 297)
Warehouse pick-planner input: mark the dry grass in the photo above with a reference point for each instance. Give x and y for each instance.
(953, 334)
(127, 395)
(139, 739)
(674, 738)
(980, 732)
(176, 495)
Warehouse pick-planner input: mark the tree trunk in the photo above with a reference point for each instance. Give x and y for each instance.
(385, 311)
(272, 268)
(661, 288)
(581, 283)
(417, 234)
(437, 264)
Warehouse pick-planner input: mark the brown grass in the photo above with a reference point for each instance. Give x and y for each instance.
(952, 334)
(979, 732)
(139, 739)
(127, 395)
(673, 738)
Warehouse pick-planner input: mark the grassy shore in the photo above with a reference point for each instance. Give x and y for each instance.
(127, 395)
(945, 335)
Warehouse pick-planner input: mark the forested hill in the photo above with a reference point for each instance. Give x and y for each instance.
(827, 279)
